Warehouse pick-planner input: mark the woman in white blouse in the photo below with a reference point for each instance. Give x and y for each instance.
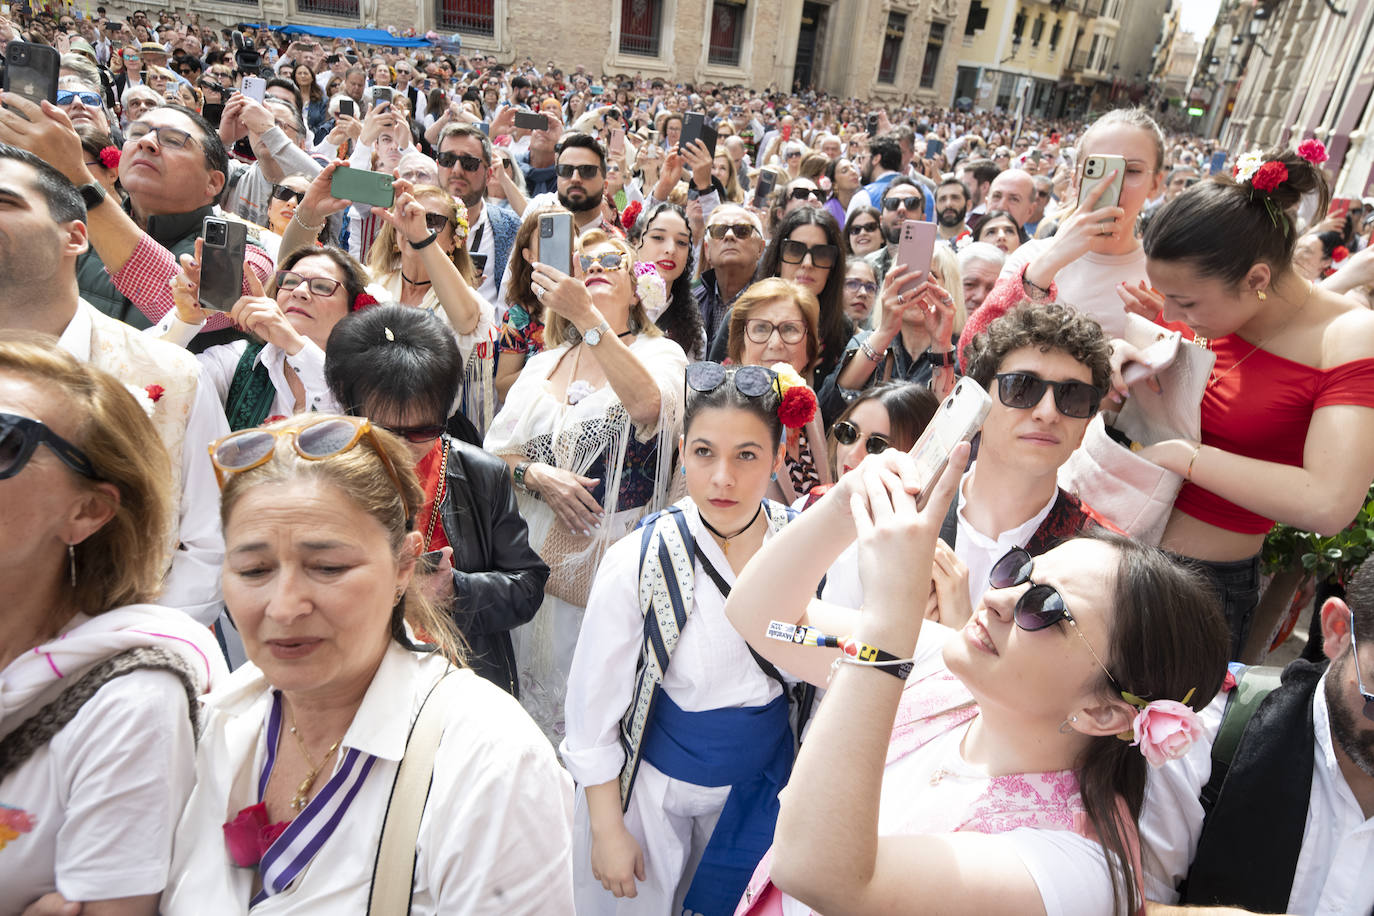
(302, 745)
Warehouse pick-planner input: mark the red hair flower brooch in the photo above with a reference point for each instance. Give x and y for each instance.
(362, 301)
(1339, 254)
(1269, 176)
(630, 214)
(1313, 151)
(109, 157)
(249, 835)
(798, 406)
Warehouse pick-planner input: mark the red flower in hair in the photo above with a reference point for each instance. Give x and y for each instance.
(362, 301)
(1313, 151)
(1339, 254)
(630, 214)
(155, 392)
(798, 407)
(109, 157)
(1269, 176)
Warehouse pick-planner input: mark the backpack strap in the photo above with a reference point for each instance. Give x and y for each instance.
(1252, 686)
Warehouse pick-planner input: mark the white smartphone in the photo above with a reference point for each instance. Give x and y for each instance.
(915, 248)
(1096, 171)
(958, 420)
(254, 87)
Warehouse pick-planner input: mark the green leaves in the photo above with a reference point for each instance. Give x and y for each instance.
(1325, 558)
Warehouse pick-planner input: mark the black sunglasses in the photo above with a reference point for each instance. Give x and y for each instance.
(1354, 660)
(750, 381)
(417, 434)
(794, 252)
(805, 193)
(893, 204)
(1022, 390)
(847, 433)
(1041, 606)
(21, 436)
(740, 231)
(583, 171)
(435, 222)
(448, 160)
(861, 227)
(281, 192)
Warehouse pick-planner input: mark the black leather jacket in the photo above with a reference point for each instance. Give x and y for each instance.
(497, 578)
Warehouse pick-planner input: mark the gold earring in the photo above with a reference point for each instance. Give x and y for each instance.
(1261, 295)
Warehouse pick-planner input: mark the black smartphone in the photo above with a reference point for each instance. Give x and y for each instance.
(479, 262)
(31, 71)
(221, 263)
(764, 186)
(362, 187)
(694, 127)
(872, 126)
(381, 94)
(347, 107)
(529, 120)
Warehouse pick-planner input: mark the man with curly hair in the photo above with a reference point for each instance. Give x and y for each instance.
(1045, 365)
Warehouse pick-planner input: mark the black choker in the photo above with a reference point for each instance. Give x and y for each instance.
(415, 282)
(728, 537)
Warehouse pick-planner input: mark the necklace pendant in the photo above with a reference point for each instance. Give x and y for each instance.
(302, 796)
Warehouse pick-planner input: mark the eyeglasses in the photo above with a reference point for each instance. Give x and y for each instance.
(794, 252)
(282, 192)
(608, 261)
(435, 222)
(847, 433)
(795, 154)
(89, 99)
(469, 163)
(1041, 606)
(1354, 658)
(583, 171)
(21, 436)
(417, 434)
(893, 204)
(806, 193)
(287, 280)
(1022, 391)
(860, 286)
(252, 448)
(759, 330)
(861, 227)
(168, 137)
(740, 231)
(750, 381)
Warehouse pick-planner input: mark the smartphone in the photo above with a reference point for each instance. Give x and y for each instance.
(31, 71)
(958, 420)
(347, 107)
(485, 128)
(617, 144)
(934, 147)
(529, 120)
(1036, 156)
(915, 249)
(1217, 163)
(221, 263)
(381, 94)
(872, 126)
(1152, 360)
(556, 241)
(254, 87)
(362, 187)
(428, 562)
(1095, 172)
(694, 127)
(1340, 207)
(479, 262)
(768, 179)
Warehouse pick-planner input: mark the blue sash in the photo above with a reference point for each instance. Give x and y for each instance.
(748, 749)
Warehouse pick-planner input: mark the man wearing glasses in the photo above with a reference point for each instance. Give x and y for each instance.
(734, 245)
(1288, 827)
(464, 159)
(903, 200)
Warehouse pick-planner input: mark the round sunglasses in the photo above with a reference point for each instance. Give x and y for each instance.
(847, 433)
(750, 381)
(1023, 390)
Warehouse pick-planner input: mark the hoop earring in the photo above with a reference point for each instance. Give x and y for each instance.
(1067, 725)
(71, 562)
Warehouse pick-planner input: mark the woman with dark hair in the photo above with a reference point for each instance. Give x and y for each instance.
(863, 231)
(806, 249)
(1288, 411)
(842, 177)
(1000, 228)
(400, 368)
(932, 774)
(280, 370)
(662, 238)
(316, 106)
(1315, 253)
(888, 415)
(522, 333)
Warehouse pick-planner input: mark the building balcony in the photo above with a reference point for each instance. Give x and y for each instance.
(1077, 62)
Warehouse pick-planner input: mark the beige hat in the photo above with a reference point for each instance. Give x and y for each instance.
(82, 46)
(152, 47)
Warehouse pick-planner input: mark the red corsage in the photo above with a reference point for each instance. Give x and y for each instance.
(109, 157)
(155, 392)
(1269, 176)
(1313, 151)
(798, 407)
(630, 214)
(1339, 254)
(362, 301)
(249, 835)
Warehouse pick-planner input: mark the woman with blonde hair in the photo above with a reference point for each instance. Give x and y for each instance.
(724, 169)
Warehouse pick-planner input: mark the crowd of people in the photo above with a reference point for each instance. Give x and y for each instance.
(609, 571)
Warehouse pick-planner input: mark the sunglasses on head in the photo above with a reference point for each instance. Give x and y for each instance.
(750, 381)
(806, 194)
(862, 227)
(281, 192)
(740, 231)
(847, 433)
(1354, 660)
(1040, 606)
(20, 438)
(1023, 390)
(448, 160)
(583, 171)
(608, 261)
(794, 252)
(893, 204)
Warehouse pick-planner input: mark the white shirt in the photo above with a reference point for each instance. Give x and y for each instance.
(192, 584)
(1089, 283)
(495, 837)
(979, 552)
(486, 246)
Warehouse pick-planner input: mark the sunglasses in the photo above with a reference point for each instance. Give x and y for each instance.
(608, 261)
(89, 99)
(288, 280)
(860, 286)
(20, 438)
(750, 381)
(794, 252)
(281, 192)
(435, 222)
(252, 448)
(583, 171)
(847, 433)
(417, 434)
(862, 227)
(1041, 606)
(448, 160)
(759, 330)
(740, 231)
(1022, 390)
(168, 137)
(805, 194)
(1354, 658)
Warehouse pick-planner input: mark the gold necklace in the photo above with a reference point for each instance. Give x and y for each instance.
(1311, 289)
(302, 796)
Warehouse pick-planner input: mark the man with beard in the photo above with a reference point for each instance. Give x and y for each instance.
(902, 201)
(581, 170)
(884, 164)
(1286, 827)
(464, 168)
(951, 206)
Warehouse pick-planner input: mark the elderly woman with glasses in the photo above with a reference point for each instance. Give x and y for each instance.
(92, 675)
(588, 430)
(352, 676)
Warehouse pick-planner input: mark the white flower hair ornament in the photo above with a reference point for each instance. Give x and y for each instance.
(652, 291)
(1247, 165)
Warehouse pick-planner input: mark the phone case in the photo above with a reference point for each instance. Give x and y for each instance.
(254, 87)
(528, 120)
(916, 247)
(555, 241)
(362, 187)
(764, 187)
(617, 144)
(31, 71)
(958, 420)
(1095, 172)
(691, 128)
(221, 265)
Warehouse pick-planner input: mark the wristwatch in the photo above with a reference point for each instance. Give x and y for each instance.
(943, 359)
(93, 194)
(518, 476)
(593, 335)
